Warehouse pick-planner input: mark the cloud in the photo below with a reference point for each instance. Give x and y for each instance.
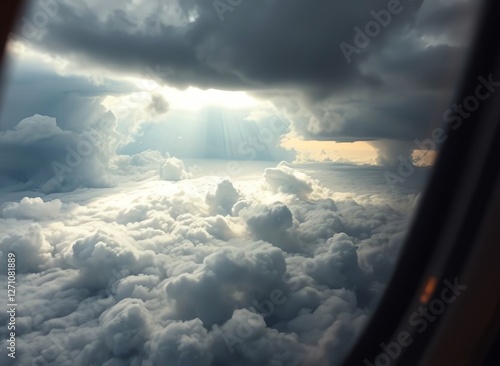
(318, 221)
(31, 248)
(224, 198)
(125, 328)
(157, 271)
(32, 208)
(74, 101)
(173, 169)
(271, 223)
(285, 180)
(375, 97)
(391, 153)
(126, 255)
(448, 21)
(30, 130)
(37, 154)
(326, 99)
(197, 59)
(158, 104)
(185, 342)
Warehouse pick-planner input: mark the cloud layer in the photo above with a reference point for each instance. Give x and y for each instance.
(273, 270)
(389, 89)
(127, 253)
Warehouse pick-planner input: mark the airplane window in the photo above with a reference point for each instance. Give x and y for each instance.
(223, 182)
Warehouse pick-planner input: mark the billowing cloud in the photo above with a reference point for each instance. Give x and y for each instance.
(31, 208)
(37, 154)
(333, 95)
(158, 104)
(285, 180)
(235, 272)
(173, 169)
(224, 197)
(152, 224)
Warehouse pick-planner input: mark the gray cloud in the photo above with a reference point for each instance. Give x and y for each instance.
(37, 154)
(158, 104)
(274, 47)
(140, 259)
(154, 272)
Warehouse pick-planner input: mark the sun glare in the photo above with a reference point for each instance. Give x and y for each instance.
(195, 98)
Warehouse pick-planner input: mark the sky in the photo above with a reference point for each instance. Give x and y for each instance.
(215, 182)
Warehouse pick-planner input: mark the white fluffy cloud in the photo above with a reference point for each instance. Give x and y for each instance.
(285, 180)
(32, 249)
(32, 208)
(30, 130)
(267, 270)
(173, 169)
(224, 198)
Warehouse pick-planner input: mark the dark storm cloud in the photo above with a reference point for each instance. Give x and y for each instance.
(262, 44)
(277, 46)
